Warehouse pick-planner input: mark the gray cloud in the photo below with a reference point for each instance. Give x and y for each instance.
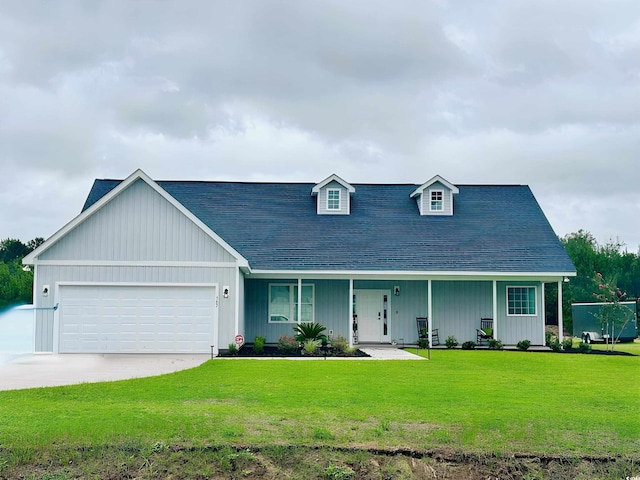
(541, 93)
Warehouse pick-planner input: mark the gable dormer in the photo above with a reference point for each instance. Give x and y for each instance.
(333, 196)
(435, 197)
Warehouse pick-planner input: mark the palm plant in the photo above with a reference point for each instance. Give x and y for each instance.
(310, 331)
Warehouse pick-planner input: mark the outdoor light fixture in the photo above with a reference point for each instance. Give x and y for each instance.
(225, 292)
(566, 280)
(396, 291)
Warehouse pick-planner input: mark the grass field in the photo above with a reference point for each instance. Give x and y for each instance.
(493, 402)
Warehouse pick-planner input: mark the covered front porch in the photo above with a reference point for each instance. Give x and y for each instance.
(384, 311)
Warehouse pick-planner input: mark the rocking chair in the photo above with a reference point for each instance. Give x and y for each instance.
(485, 332)
(423, 331)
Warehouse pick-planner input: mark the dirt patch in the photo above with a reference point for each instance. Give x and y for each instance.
(282, 461)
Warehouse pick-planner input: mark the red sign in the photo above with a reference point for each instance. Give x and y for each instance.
(239, 340)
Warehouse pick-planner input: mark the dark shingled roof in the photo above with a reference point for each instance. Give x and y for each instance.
(275, 227)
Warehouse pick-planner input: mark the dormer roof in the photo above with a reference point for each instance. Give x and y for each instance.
(332, 178)
(436, 179)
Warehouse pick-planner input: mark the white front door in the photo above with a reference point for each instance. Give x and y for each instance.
(372, 309)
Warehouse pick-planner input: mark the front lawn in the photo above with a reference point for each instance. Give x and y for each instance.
(488, 402)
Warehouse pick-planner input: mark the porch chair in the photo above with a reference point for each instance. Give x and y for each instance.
(423, 331)
(485, 332)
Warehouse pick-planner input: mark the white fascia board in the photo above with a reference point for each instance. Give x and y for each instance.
(403, 275)
(315, 190)
(135, 263)
(435, 179)
(31, 259)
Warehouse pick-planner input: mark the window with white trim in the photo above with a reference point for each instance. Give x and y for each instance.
(283, 303)
(333, 199)
(436, 204)
(521, 301)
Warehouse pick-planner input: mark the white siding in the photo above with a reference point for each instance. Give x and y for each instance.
(344, 199)
(138, 225)
(512, 329)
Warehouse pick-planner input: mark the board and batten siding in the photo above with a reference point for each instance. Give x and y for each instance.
(51, 274)
(344, 199)
(138, 225)
(458, 307)
(512, 329)
(330, 308)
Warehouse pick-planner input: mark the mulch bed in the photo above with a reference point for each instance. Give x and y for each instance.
(269, 351)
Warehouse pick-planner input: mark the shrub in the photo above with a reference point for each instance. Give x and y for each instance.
(523, 345)
(310, 346)
(340, 344)
(468, 345)
(584, 347)
(547, 339)
(495, 344)
(554, 344)
(258, 345)
(233, 349)
(567, 344)
(451, 342)
(423, 343)
(309, 331)
(287, 344)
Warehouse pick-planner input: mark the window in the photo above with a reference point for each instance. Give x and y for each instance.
(283, 303)
(333, 199)
(521, 300)
(436, 200)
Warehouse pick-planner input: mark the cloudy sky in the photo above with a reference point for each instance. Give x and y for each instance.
(544, 93)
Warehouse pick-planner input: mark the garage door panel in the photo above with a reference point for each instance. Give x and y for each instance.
(136, 319)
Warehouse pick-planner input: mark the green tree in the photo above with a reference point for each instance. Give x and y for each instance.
(613, 316)
(12, 249)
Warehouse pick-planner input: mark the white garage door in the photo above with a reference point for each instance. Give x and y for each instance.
(136, 319)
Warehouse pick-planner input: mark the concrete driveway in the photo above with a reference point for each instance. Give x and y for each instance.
(45, 370)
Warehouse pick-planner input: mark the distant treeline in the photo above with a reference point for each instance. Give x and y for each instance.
(16, 284)
(612, 260)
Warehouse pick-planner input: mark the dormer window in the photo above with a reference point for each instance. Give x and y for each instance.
(435, 197)
(333, 196)
(436, 200)
(333, 199)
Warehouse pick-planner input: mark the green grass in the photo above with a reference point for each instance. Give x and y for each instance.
(492, 402)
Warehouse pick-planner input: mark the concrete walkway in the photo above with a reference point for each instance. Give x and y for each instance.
(381, 353)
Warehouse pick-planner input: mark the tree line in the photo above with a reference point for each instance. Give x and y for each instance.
(611, 260)
(16, 284)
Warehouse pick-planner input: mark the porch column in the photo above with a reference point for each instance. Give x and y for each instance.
(495, 309)
(350, 310)
(429, 312)
(299, 301)
(544, 309)
(560, 324)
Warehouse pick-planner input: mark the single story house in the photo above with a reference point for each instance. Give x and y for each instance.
(185, 266)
